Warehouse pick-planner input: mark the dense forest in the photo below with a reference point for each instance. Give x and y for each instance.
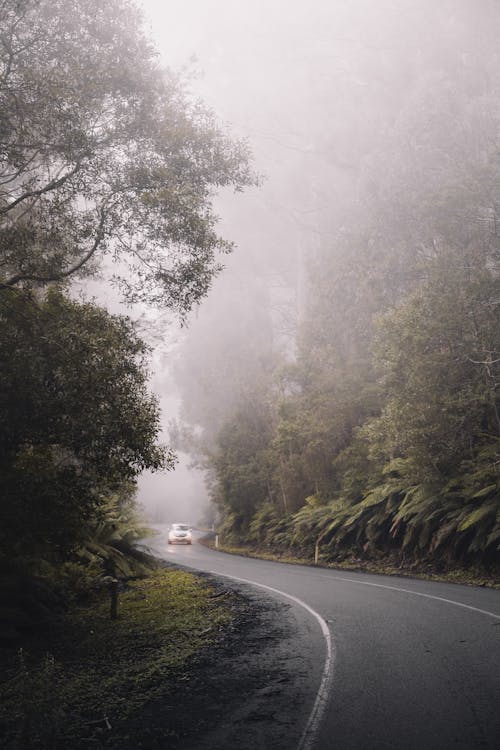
(369, 427)
(108, 169)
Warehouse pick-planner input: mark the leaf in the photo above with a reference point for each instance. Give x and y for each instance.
(485, 491)
(476, 516)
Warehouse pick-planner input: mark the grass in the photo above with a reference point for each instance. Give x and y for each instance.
(101, 683)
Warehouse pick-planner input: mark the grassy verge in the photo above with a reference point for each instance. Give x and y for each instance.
(424, 570)
(102, 683)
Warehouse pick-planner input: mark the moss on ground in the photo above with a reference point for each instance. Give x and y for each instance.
(101, 683)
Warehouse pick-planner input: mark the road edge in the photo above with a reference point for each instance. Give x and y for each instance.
(314, 721)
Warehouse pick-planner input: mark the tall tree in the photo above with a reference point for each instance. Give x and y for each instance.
(439, 355)
(103, 152)
(77, 420)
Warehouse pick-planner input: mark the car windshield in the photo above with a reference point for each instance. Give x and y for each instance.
(180, 527)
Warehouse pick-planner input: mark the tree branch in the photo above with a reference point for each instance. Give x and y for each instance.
(52, 185)
(59, 276)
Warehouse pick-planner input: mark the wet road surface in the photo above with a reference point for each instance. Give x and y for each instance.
(404, 663)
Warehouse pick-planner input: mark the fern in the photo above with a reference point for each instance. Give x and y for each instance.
(113, 537)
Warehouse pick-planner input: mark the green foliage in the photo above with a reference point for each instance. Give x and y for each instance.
(421, 476)
(423, 520)
(103, 152)
(36, 592)
(435, 353)
(77, 419)
(76, 580)
(242, 464)
(113, 536)
(268, 528)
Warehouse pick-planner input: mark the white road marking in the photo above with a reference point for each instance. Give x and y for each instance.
(414, 593)
(320, 704)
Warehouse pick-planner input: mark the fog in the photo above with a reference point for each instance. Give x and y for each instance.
(322, 92)
(254, 247)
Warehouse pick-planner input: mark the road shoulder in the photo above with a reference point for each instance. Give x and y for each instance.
(257, 685)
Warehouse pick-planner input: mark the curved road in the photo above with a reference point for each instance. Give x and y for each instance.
(414, 664)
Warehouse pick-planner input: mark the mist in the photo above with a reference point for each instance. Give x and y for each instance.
(346, 105)
(250, 283)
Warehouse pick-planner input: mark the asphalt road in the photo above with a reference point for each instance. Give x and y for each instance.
(396, 662)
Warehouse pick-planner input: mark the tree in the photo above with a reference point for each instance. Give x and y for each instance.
(439, 355)
(103, 152)
(241, 465)
(77, 420)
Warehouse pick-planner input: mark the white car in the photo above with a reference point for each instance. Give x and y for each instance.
(179, 533)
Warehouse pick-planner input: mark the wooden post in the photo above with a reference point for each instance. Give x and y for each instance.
(216, 541)
(113, 592)
(316, 547)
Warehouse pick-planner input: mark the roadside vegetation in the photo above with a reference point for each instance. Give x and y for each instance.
(89, 680)
(388, 565)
